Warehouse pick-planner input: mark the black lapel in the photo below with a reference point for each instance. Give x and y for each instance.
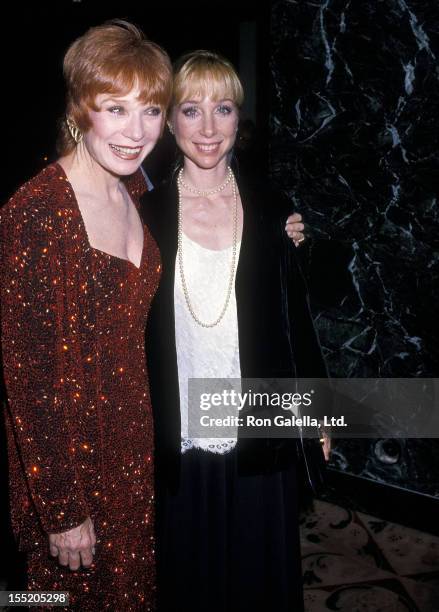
(159, 213)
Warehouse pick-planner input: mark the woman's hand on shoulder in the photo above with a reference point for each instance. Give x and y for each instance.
(294, 228)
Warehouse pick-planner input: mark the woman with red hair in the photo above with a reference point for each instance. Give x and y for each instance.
(79, 272)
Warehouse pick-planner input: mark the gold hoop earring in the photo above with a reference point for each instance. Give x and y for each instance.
(74, 130)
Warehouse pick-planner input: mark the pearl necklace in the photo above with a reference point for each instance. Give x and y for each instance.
(206, 192)
(180, 184)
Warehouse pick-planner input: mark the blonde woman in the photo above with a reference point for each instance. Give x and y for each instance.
(228, 534)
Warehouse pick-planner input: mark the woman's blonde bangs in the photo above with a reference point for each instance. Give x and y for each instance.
(216, 80)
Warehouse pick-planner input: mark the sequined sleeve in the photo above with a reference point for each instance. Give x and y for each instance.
(35, 348)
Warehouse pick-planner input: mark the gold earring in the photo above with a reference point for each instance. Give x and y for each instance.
(170, 128)
(74, 130)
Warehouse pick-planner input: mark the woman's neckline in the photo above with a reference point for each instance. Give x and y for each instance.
(60, 168)
(197, 244)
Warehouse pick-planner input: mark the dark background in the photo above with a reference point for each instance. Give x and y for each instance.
(354, 136)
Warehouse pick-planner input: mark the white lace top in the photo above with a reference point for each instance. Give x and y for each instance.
(205, 352)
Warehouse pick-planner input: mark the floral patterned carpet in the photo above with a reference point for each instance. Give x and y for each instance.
(353, 562)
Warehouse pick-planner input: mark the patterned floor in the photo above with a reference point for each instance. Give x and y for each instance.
(353, 562)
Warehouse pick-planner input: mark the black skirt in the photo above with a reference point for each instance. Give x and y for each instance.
(226, 542)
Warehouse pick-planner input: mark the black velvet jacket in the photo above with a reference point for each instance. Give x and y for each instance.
(276, 334)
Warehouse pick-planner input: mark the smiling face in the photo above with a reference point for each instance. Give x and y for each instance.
(123, 131)
(205, 129)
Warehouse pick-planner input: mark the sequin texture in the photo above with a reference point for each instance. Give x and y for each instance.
(79, 422)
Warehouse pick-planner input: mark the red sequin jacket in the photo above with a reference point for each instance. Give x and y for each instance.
(47, 319)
